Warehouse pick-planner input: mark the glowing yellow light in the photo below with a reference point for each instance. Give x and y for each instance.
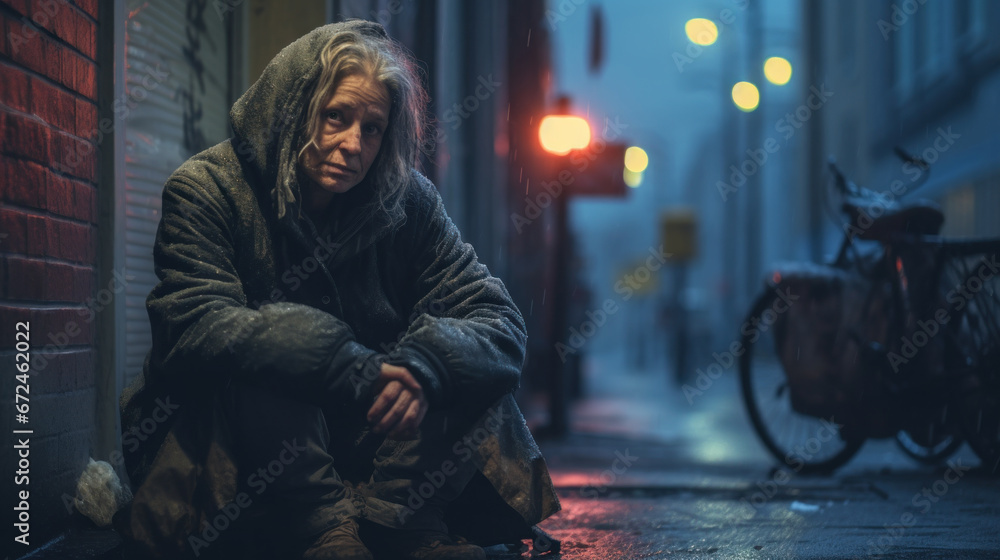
(560, 134)
(746, 96)
(636, 159)
(701, 31)
(777, 70)
(632, 178)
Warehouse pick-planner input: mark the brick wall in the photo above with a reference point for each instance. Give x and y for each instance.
(48, 232)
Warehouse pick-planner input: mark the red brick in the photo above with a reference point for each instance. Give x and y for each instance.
(69, 198)
(12, 315)
(83, 283)
(70, 241)
(63, 320)
(4, 36)
(27, 46)
(84, 202)
(59, 197)
(86, 79)
(15, 225)
(26, 279)
(53, 106)
(37, 243)
(54, 59)
(26, 182)
(83, 33)
(28, 138)
(93, 207)
(61, 25)
(70, 67)
(74, 156)
(14, 88)
(89, 6)
(68, 283)
(45, 13)
(21, 6)
(86, 119)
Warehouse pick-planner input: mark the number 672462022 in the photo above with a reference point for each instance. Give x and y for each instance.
(22, 360)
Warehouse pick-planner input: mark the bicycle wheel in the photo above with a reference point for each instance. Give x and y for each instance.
(973, 298)
(803, 443)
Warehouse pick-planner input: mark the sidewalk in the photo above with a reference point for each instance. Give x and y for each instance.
(645, 474)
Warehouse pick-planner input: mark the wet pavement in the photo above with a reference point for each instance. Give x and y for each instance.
(646, 474)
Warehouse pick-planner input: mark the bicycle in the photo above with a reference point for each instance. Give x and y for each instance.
(898, 336)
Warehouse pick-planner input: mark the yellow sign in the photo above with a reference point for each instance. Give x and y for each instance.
(679, 233)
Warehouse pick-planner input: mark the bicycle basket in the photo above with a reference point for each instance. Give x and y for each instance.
(817, 341)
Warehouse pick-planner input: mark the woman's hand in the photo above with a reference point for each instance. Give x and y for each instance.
(400, 405)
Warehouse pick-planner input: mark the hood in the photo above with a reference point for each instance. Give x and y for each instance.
(269, 117)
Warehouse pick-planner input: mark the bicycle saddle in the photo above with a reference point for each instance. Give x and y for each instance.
(921, 217)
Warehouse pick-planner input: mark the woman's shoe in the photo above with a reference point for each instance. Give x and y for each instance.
(434, 545)
(339, 543)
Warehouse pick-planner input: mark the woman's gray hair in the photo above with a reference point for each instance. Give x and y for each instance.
(352, 53)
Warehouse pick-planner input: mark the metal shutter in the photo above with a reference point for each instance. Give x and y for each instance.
(175, 104)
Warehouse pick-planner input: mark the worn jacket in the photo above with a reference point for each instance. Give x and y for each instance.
(245, 295)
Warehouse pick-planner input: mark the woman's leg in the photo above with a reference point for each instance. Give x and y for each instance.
(282, 449)
(422, 476)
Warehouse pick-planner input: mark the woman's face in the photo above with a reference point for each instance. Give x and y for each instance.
(349, 136)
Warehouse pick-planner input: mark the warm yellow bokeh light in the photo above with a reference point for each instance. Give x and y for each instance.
(636, 159)
(777, 70)
(746, 96)
(561, 134)
(632, 178)
(701, 31)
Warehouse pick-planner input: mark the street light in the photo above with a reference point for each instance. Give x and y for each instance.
(777, 70)
(636, 162)
(701, 31)
(746, 96)
(561, 134)
(636, 159)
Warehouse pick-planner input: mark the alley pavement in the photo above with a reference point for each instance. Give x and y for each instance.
(645, 474)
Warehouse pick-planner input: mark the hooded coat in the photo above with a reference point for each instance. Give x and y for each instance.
(250, 290)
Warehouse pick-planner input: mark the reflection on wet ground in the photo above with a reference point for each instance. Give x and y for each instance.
(645, 474)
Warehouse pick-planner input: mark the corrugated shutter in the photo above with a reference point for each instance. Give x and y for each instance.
(176, 104)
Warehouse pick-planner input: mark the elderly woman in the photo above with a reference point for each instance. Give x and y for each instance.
(337, 367)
